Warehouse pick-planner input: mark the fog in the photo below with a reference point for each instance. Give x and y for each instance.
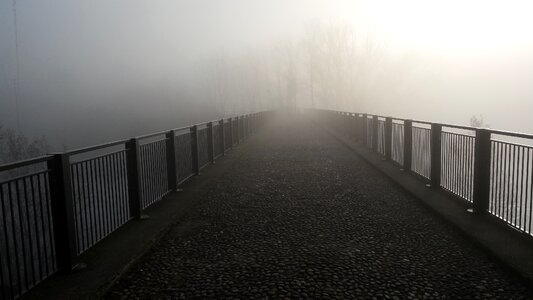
(95, 71)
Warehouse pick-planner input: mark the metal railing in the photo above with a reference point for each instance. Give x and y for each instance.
(490, 170)
(56, 207)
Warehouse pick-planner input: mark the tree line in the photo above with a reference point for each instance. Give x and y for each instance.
(330, 65)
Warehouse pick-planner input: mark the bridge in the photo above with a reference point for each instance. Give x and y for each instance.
(305, 204)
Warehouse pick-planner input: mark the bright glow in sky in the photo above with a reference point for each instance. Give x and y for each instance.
(445, 25)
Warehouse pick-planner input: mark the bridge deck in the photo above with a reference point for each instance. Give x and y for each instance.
(299, 215)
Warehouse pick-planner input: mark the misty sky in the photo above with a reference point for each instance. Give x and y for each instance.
(470, 57)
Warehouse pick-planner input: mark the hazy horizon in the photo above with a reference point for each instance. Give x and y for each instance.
(115, 69)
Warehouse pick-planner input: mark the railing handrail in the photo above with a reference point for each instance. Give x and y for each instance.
(22, 163)
(96, 147)
(214, 121)
(449, 125)
(512, 133)
(25, 162)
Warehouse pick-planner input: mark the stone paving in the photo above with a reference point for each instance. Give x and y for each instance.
(300, 216)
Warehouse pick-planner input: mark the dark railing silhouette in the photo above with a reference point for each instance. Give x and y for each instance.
(56, 207)
(491, 170)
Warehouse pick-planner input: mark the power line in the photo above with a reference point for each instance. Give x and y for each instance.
(17, 64)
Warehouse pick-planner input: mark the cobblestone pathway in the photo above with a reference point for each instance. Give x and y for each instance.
(300, 216)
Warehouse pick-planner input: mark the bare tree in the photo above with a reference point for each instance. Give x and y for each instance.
(16, 146)
(311, 49)
(332, 65)
(477, 121)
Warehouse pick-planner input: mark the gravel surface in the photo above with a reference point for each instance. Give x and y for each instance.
(300, 216)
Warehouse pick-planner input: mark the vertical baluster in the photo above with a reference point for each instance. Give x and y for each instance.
(530, 181)
(105, 195)
(109, 194)
(79, 204)
(91, 236)
(38, 257)
(114, 191)
(501, 183)
(42, 200)
(514, 184)
(9, 261)
(98, 197)
(125, 185)
(525, 183)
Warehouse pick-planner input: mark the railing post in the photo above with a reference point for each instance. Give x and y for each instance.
(375, 129)
(171, 160)
(222, 135)
(237, 130)
(245, 126)
(351, 127)
(242, 127)
(254, 122)
(339, 121)
(347, 124)
(388, 138)
(248, 125)
(482, 160)
(194, 150)
(230, 122)
(210, 143)
(436, 133)
(355, 128)
(342, 123)
(407, 144)
(364, 131)
(62, 205)
(133, 174)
